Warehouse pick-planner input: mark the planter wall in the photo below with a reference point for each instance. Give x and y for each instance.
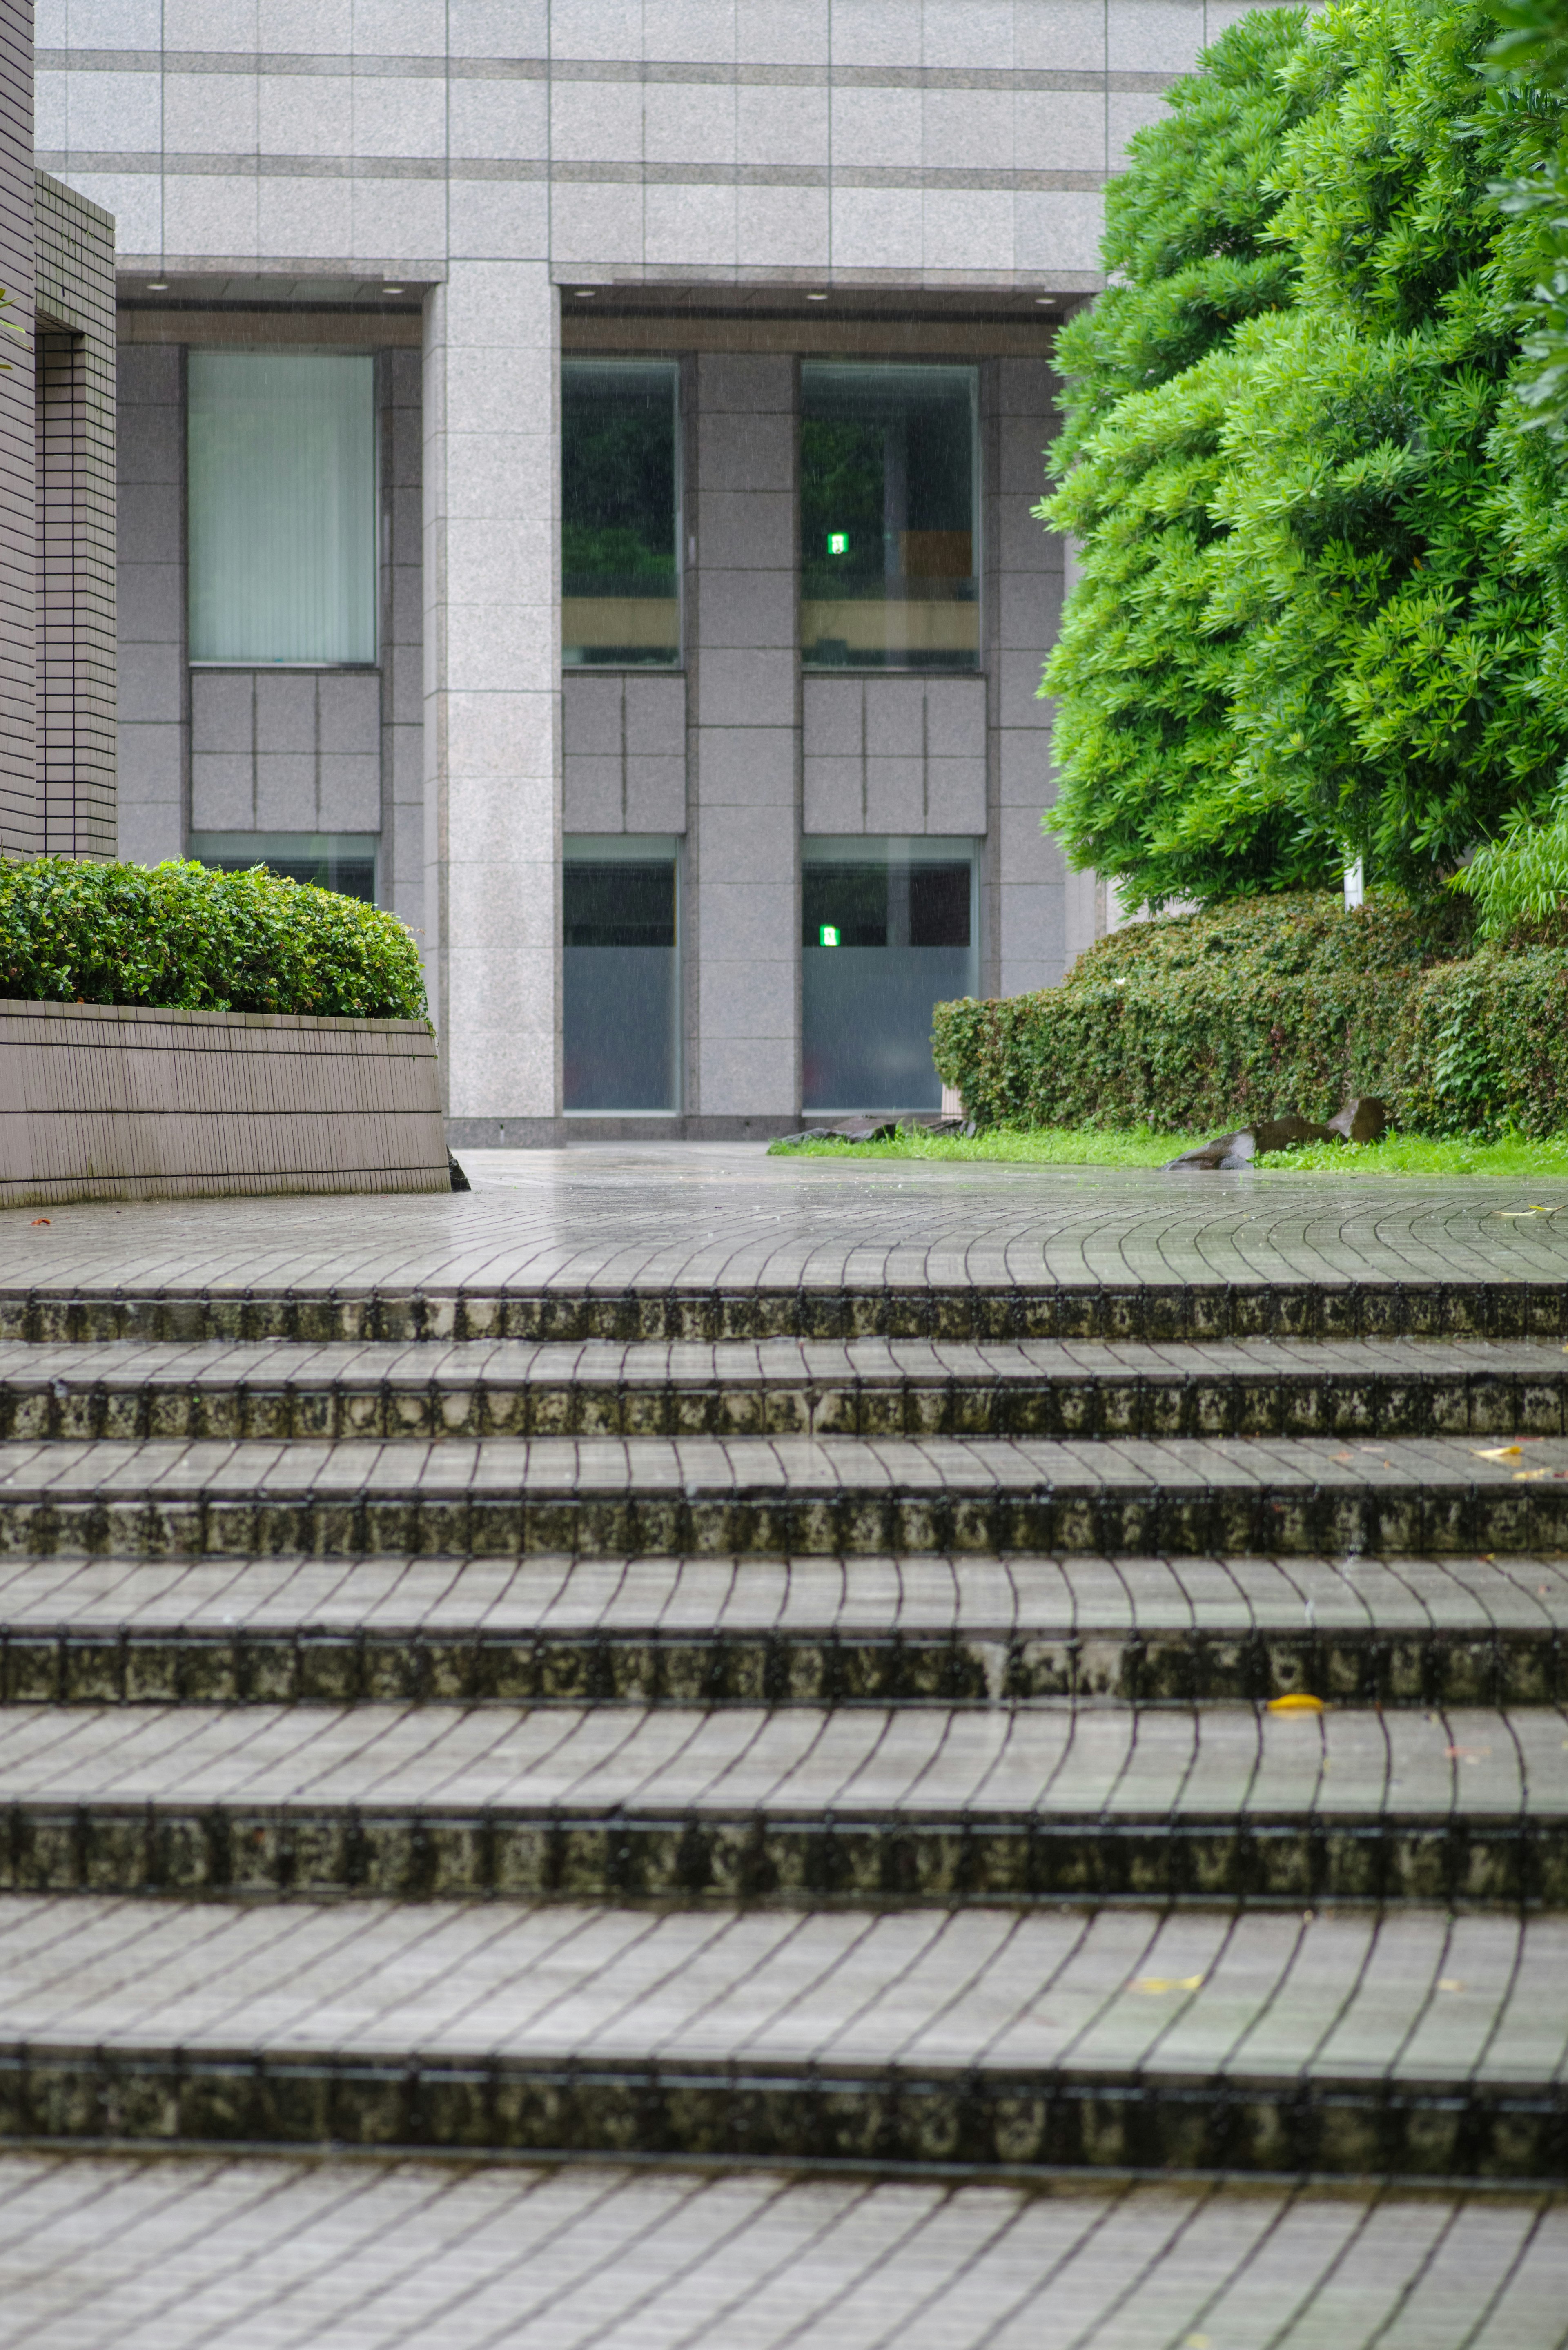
(115, 1102)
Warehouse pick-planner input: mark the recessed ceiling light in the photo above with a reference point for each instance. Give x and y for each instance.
(391, 289)
(157, 285)
(586, 292)
(816, 298)
(1046, 301)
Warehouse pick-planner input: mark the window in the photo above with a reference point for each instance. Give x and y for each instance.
(888, 577)
(887, 930)
(281, 485)
(621, 584)
(621, 1026)
(344, 861)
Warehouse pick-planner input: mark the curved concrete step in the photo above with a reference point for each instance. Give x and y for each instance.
(259, 2254)
(911, 1301)
(732, 1630)
(863, 1387)
(611, 1496)
(1407, 2045)
(793, 1807)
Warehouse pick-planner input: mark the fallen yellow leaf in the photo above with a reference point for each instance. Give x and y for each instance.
(1449, 1983)
(1155, 1983)
(1295, 1703)
(1501, 1452)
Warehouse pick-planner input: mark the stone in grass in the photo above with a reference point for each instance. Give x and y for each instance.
(853, 1129)
(1250, 1142)
(1226, 1151)
(1364, 1118)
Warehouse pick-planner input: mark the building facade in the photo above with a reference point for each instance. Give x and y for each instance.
(577, 464)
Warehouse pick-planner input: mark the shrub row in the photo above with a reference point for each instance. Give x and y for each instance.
(180, 938)
(1273, 1004)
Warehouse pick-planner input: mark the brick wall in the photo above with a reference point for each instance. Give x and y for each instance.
(21, 817)
(74, 527)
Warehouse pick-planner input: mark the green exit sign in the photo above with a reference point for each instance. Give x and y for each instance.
(839, 542)
(828, 936)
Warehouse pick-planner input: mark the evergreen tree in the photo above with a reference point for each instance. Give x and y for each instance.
(1321, 604)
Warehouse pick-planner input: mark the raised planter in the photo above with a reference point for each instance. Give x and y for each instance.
(101, 1101)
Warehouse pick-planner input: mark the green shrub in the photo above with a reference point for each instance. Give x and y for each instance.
(179, 937)
(1483, 1046)
(1246, 1011)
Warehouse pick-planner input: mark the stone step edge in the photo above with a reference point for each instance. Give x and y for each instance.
(707, 1856)
(1118, 1310)
(1051, 2121)
(83, 1664)
(1181, 1518)
(1077, 1401)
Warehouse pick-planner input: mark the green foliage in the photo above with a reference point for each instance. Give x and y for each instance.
(1250, 1010)
(1529, 58)
(1321, 605)
(1520, 883)
(179, 937)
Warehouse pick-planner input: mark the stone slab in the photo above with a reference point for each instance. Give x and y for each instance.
(606, 1496)
(799, 1806)
(1406, 2044)
(785, 1386)
(731, 1631)
(267, 2253)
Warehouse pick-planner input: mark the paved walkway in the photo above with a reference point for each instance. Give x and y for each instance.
(760, 1667)
(245, 2254)
(701, 1215)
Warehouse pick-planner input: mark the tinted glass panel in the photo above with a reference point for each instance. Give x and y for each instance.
(619, 523)
(620, 1025)
(282, 490)
(889, 571)
(882, 940)
(345, 862)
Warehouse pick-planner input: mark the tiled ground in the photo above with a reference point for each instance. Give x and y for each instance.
(818, 1723)
(245, 2254)
(1410, 2045)
(853, 1596)
(792, 1807)
(850, 1764)
(705, 1215)
(603, 1496)
(1420, 1998)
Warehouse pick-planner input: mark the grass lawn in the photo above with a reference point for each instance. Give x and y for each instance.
(1142, 1146)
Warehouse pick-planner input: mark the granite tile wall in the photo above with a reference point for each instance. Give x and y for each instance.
(151, 733)
(498, 156)
(743, 850)
(624, 745)
(894, 755)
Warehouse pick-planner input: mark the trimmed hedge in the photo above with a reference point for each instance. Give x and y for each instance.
(1484, 1046)
(177, 936)
(1273, 1004)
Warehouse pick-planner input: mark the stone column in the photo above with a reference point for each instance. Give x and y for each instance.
(744, 849)
(493, 694)
(21, 810)
(1029, 929)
